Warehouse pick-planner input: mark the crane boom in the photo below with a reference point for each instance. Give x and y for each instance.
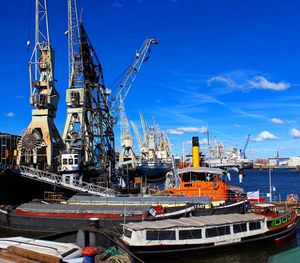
(126, 80)
(137, 134)
(245, 147)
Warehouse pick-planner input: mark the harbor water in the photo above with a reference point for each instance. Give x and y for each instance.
(284, 182)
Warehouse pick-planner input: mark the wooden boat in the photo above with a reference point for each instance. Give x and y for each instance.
(204, 181)
(202, 234)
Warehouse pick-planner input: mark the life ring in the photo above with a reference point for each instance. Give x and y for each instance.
(215, 186)
(292, 198)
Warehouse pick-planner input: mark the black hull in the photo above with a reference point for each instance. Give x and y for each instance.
(188, 250)
(153, 171)
(16, 189)
(55, 224)
(52, 225)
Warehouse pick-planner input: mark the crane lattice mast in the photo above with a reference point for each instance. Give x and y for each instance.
(41, 143)
(126, 153)
(88, 126)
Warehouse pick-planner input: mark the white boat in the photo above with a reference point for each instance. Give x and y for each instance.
(205, 233)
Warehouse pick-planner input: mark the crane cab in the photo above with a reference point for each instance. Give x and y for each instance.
(70, 168)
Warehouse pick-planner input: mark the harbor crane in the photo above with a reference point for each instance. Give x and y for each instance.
(243, 153)
(41, 142)
(127, 155)
(91, 116)
(87, 130)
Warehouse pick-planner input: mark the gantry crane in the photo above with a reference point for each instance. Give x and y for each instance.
(41, 143)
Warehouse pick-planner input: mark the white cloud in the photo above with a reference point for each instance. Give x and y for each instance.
(277, 121)
(246, 81)
(265, 135)
(182, 130)
(260, 82)
(295, 133)
(10, 114)
(229, 82)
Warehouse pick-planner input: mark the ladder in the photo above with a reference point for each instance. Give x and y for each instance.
(57, 180)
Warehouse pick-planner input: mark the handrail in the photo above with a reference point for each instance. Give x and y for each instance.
(56, 179)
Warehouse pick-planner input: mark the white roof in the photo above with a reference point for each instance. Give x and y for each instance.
(195, 221)
(200, 170)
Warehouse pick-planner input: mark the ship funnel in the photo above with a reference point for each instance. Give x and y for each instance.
(195, 151)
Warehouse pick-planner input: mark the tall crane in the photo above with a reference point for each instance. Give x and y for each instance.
(126, 154)
(125, 80)
(41, 143)
(243, 153)
(87, 128)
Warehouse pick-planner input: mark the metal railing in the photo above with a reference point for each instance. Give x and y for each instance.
(58, 180)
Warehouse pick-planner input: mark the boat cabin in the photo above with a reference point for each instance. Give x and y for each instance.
(202, 230)
(202, 181)
(190, 234)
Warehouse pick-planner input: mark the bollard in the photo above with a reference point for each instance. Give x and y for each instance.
(89, 254)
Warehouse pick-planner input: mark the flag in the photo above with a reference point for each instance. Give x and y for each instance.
(253, 195)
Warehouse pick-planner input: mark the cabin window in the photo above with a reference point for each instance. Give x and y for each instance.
(160, 235)
(254, 225)
(284, 219)
(190, 234)
(223, 230)
(65, 161)
(217, 231)
(70, 161)
(211, 232)
(188, 185)
(277, 222)
(128, 233)
(76, 161)
(237, 228)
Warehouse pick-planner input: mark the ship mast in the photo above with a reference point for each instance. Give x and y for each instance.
(41, 143)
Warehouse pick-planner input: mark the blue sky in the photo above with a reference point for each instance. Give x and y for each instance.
(232, 66)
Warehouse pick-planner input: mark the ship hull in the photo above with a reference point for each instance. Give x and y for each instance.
(153, 171)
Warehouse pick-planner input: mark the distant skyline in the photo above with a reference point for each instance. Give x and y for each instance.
(230, 67)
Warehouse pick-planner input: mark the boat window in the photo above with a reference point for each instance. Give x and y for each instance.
(188, 185)
(284, 219)
(237, 228)
(277, 222)
(223, 230)
(254, 225)
(190, 234)
(65, 161)
(211, 232)
(160, 235)
(289, 216)
(70, 161)
(76, 161)
(217, 231)
(128, 233)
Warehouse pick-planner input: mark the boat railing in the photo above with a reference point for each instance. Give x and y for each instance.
(57, 179)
